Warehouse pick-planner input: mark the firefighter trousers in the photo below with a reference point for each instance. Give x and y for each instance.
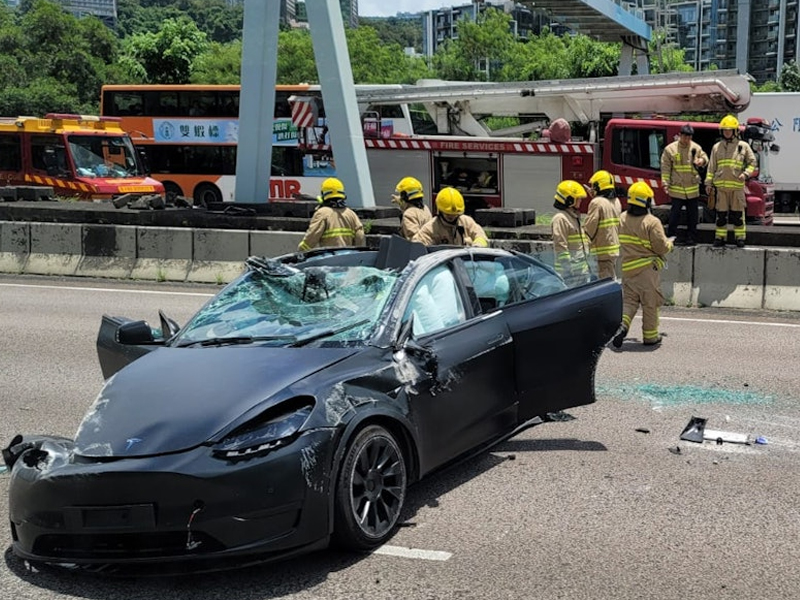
(642, 288)
(607, 267)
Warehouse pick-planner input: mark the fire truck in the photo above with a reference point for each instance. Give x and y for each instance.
(80, 156)
(493, 169)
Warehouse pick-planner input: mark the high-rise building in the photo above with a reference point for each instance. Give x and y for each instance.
(754, 36)
(441, 24)
(349, 11)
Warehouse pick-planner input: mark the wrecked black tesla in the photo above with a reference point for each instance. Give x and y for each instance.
(301, 401)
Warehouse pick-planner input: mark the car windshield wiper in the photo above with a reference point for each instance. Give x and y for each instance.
(327, 333)
(237, 340)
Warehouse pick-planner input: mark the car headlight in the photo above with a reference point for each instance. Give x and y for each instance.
(272, 429)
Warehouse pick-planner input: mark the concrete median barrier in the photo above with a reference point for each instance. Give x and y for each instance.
(163, 253)
(729, 277)
(108, 251)
(15, 243)
(219, 255)
(782, 283)
(55, 249)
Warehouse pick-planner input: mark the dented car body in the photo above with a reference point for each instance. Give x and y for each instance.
(299, 403)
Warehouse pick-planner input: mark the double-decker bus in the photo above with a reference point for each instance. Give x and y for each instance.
(189, 134)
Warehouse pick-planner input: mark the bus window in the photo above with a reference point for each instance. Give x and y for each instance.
(10, 153)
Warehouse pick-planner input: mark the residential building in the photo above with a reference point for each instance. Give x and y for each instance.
(754, 36)
(349, 12)
(441, 24)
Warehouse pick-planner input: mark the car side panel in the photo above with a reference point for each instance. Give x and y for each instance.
(471, 398)
(558, 340)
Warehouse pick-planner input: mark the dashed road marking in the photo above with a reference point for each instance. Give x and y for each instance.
(416, 553)
(111, 290)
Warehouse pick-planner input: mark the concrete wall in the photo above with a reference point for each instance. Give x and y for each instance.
(696, 276)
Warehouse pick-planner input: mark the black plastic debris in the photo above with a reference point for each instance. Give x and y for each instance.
(694, 430)
(675, 450)
(642, 430)
(560, 416)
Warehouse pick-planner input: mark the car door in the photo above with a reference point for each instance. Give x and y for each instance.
(465, 394)
(559, 334)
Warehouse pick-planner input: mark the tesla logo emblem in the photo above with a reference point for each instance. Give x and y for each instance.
(131, 442)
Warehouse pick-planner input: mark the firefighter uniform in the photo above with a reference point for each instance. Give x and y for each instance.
(732, 161)
(679, 174)
(644, 246)
(602, 224)
(451, 226)
(408, 195)
(570, 243)
(333, 224)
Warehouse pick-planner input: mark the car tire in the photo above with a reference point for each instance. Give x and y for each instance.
(206, 193)
(370, 491)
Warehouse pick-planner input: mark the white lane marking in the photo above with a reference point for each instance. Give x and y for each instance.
(413, 553)
(730, 322)
(111, 290)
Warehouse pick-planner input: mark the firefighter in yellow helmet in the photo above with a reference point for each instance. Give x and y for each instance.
(333, 224)
(602, 223)
(570, 243)
(409, 196)
(732, 161)
(644, 247)
(451, 227)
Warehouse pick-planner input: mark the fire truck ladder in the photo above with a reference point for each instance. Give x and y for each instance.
(456, 107)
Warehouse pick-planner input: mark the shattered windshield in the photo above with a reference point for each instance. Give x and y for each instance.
(104, 156)
(292, 307)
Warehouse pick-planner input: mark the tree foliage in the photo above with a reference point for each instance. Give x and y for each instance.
(165, 56)
(789, 79)
(666, 57)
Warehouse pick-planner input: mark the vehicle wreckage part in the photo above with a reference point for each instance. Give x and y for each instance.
(371, 490)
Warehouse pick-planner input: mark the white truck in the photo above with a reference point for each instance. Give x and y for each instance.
(782, 111)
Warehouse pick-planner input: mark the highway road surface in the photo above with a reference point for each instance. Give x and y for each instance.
(608, 505)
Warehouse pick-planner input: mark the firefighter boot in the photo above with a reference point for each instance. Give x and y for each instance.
(719, 242)
(652, 341)
(740, 243)
(619, 337)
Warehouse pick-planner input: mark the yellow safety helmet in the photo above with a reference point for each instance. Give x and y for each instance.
(601, 181)
(332, 189)
(409, 188)
(569, 193)
(729, 122)
(640, 194)
(450, 202)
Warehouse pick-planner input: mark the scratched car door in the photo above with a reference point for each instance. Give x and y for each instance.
(465, 395)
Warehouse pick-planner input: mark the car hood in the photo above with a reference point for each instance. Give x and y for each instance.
(177, 398)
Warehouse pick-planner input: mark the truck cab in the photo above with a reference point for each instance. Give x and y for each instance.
(632, 151)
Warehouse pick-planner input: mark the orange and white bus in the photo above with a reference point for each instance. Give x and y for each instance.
(190, 133)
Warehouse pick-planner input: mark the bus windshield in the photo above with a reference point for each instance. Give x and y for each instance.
(104, 156)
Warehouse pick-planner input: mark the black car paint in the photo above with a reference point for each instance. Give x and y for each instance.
(442, 396)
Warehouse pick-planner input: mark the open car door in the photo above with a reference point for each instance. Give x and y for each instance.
(121, 341)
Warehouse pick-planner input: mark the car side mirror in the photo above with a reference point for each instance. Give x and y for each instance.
(135, 332)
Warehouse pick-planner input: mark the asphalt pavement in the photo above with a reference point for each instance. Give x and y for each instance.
(609, 504)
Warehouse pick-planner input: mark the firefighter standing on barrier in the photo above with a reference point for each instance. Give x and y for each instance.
(681, 162)
(451, 227)
(333, 223)
(732, 161)
(602, 223)
(644, 248)
(409, 196)
(570, 243)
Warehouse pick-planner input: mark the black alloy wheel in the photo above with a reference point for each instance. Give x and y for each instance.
(371, 490)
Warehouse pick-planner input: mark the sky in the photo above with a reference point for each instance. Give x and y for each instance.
(389, 8)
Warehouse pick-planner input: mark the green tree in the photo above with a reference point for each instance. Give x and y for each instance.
(540, 58)
(789, 79)
(407, 33)
(589, 58)
(666, 57)
(219, 64)
(165, 56)
(296, 57)
(375, 62)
